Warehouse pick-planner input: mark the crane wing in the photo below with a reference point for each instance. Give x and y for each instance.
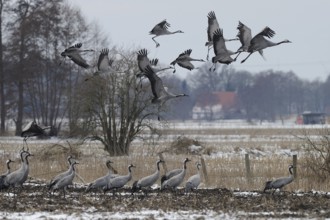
(156, 83)
(160, 26)
(103, 62)
(213, 25)
(244, 34)
(267, 32)
(219, 45)
(76, 58)
(186, 64)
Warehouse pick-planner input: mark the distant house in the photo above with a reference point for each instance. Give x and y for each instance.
(216, 105)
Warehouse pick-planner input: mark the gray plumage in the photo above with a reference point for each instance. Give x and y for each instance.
(101, 182)
(19, 176)
(60, 176)
(119, 181)
(194, 181)
(3, 176)
(104, 63)
(259, 42)
(176, 180)
(222, 55)
(170, 174)
(67, 180)
(161, 94)
(184, 60)
(213, 25)
(281, 182)
(144, 61)
(245, 36)
(74, 52)
(147, 181)
(162, 29)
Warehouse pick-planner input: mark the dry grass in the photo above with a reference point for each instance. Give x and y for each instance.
(227, 171)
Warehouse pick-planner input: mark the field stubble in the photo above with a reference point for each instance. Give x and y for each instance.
(270, 152)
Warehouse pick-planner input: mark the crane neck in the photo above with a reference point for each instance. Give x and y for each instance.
(26, 161)
(185, 164)
(290, 171)
(158, 165)
(8, 167)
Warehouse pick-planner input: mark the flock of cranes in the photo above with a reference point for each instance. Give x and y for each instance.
(149, 69)
(111, 181)
(215, 40)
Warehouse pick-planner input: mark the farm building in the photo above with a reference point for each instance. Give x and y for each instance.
(216, 105)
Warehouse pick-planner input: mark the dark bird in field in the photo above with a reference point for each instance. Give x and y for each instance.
(162, 29)
(160, 93)
(32, 129)
(279, 183)
(184, 60)
(222, 55)
(74, 52)
(259, 42)
(213, 25)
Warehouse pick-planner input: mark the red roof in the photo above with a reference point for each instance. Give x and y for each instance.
(226, 99)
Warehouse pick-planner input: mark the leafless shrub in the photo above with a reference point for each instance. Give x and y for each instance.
(318, 153)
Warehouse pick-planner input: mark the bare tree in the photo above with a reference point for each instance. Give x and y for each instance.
(115, 109)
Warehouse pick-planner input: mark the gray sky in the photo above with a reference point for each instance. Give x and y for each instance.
(305, 23)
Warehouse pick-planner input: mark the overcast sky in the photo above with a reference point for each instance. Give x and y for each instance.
(305, 23)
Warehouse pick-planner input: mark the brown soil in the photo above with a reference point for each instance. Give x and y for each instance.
(36, 198)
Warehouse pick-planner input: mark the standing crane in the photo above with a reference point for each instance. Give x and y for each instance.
(74, 52)
(3, 176)
(67, 180)
(161, 93)
(184, 60)
(259, 42)
(101, 182)
(119, 181)
(222, 55)
(213, 25)
(162, 29)
(175, 181)
(19, 176)
(194, 181)
(148, 181)
(61, 175)
(279, 183)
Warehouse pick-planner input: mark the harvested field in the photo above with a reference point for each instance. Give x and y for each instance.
(226, 192)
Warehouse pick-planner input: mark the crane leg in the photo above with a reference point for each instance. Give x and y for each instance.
(157, 44)
(237, 56)
(246, 58)
(208, 52)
